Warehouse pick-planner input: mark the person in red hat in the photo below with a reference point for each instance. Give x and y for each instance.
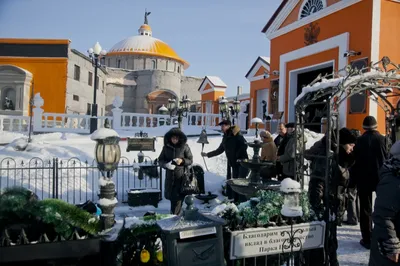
(369, 153)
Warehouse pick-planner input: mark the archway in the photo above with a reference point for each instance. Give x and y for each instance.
(158, 98)
(381, 82)
(15, 84)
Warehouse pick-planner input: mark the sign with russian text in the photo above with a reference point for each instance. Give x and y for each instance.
(197, 232)
(141, 144)
(255, 242)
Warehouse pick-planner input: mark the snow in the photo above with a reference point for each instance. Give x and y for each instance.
(216, 81)
(346, 83)
(107, 202)
(103, 181)
(149, 190)
(289, 185)
(256, 120)
(48, 146)
(103, 133)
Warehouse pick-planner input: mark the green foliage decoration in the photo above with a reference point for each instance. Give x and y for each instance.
(19, 205)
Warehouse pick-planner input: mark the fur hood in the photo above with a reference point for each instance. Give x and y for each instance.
(175, 132)
(234, 130)
(268, 136)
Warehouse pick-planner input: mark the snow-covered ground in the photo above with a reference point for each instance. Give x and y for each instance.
(48, 146)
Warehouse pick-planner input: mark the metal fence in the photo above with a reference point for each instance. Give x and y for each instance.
(72, 180)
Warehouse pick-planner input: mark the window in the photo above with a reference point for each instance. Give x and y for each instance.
(75, 98)
(166, 66)
(153, 64)
(102, 88)
(101, 111)
(311, 6)
(77, 73)
(358, 102)
(89, 109)
(119, 63)
(90, 79)
(179, 69)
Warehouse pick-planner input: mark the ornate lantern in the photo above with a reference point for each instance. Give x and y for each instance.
(163, 110)
(236, 106)
(107, 150)
(171, 105)
(291, 201)
(185, 104)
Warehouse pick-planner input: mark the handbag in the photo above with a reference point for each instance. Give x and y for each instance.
(189, 182)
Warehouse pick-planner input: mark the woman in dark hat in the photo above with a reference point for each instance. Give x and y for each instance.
(175, 157)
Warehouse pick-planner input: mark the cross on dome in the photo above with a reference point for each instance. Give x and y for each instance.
(145, 29)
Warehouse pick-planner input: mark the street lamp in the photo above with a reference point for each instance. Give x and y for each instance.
(95, 54)
(183, 109)
(107, 155)
(224, 109)
(236, 109)
(256, 121)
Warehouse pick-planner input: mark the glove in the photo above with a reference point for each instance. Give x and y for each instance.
(389, 247)
(170, 166)
(204, 154)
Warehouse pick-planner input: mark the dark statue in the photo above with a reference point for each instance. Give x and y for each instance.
(146, 14)
(8, 105)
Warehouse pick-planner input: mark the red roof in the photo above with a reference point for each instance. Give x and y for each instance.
(271, 20)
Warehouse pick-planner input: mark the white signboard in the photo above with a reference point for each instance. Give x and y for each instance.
(197, 232)
(268, 241)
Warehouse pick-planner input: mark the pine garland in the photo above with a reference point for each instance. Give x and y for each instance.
(19, 205)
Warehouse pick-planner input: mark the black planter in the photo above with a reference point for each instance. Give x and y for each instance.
(140, 197)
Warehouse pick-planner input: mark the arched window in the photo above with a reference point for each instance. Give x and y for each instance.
(166, 66)
(119, 63)
(310, 7)
(153, 64)
(8, 99)
(179, 69)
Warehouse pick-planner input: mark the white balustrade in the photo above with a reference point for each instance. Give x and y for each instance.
(80, 123)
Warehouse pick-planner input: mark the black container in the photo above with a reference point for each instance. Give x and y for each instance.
(143, 197)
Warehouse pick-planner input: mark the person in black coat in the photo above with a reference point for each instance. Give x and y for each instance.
(337, 182)
(175, 157)
(385, 243)
(235, 147)
(369, 153)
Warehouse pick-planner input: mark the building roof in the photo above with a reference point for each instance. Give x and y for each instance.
(146, 44)
(265, 59)
(216, 81)
(274, 16)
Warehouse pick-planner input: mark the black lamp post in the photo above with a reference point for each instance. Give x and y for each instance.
(107, 155)
(181, 109)
(95, 54)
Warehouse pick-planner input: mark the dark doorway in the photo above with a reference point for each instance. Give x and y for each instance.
(314, 113)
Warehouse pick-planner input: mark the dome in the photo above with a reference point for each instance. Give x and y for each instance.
(146, 44)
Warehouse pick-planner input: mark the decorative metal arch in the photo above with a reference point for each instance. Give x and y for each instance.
(380, 81)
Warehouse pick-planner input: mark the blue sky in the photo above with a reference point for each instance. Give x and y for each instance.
(217, 37)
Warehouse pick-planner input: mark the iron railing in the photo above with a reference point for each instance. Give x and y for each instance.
(73, 180)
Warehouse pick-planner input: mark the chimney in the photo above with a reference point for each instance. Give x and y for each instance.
(239, 90)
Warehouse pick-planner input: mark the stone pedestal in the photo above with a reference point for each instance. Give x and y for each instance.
(107, 204)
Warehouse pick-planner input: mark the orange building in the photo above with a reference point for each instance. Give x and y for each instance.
(24, 62)
(309, 37)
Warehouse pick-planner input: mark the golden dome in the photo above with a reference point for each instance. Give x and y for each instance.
(145, 44)
(145, 27)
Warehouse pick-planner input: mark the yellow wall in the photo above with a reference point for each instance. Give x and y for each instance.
(49, 77)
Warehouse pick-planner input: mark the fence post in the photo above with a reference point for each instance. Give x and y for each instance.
(117, 112)
(38, 102)
(55, 178)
